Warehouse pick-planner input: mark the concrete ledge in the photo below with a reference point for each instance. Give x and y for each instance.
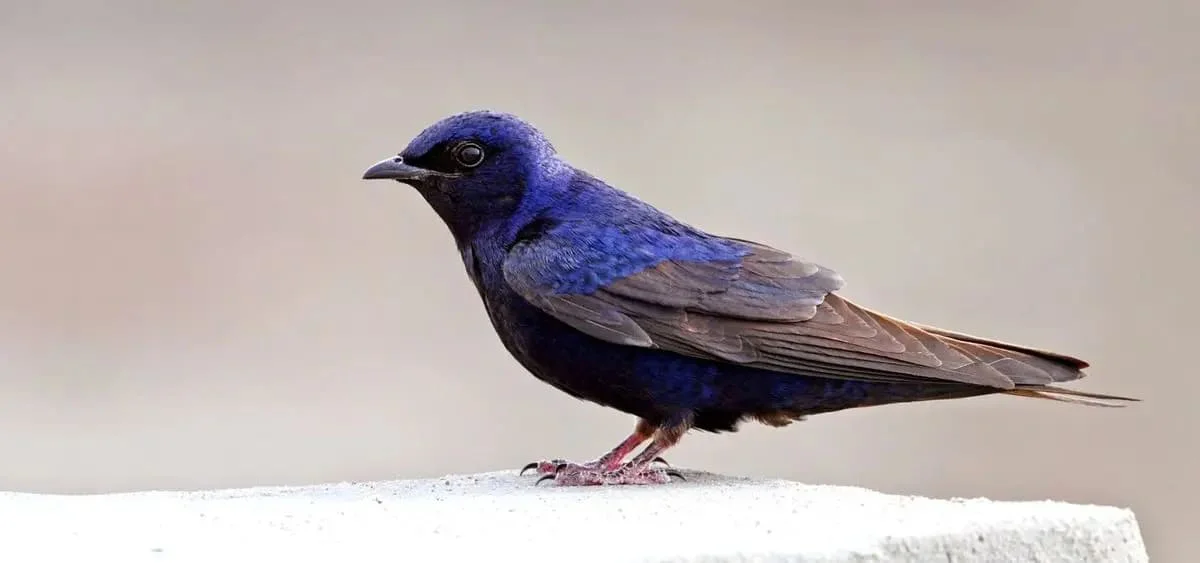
(502, 517)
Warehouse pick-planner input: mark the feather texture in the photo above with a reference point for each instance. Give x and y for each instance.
(770, 310)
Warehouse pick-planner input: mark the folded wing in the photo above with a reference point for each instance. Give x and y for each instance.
(771, 310)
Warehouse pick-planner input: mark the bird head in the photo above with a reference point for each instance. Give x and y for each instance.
(474, 168)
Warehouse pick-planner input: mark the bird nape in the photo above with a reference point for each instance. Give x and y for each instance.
(612, 301)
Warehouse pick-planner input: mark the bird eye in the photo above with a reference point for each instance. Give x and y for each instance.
(468, 154)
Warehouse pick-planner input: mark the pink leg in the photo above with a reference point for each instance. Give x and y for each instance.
(607, 462)
(639, 471)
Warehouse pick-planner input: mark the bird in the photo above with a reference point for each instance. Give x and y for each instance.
(613, 301)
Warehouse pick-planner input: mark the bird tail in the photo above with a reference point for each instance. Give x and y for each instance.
(1060, 367)
(1071, 396)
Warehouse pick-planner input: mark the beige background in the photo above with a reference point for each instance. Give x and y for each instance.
(198, 291)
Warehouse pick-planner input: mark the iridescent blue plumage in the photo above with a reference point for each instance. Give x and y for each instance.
(613, 301)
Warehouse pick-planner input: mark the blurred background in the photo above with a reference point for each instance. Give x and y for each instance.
(197, 290)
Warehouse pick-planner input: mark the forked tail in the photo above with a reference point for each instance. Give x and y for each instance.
(1072, 396)
(1060, 368)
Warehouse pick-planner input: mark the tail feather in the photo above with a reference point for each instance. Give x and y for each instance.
(1071, 396)
(863, 346)
(1060, 367)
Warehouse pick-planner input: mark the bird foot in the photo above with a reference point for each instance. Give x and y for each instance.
(554, 466)
(576, 475)
(551, 466)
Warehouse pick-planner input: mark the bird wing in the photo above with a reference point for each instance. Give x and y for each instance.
(765, 309)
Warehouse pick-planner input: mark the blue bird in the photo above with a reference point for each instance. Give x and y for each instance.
(610, 300)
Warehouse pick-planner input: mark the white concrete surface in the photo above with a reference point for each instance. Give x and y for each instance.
(502, 517)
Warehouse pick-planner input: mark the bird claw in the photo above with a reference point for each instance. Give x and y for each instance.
(553, 466)
(538, 465)
(575, 475)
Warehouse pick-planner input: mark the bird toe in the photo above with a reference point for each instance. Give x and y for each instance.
(575, 475)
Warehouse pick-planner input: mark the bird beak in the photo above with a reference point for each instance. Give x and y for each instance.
(394, 168)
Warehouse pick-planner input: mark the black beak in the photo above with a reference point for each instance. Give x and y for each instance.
(394, 168)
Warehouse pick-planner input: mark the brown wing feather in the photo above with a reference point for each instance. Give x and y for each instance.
(777, 312)
(840, 340)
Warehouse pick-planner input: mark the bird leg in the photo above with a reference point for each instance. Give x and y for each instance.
(638, 471)
(607, 462)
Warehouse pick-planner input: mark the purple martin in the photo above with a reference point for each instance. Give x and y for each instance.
(613, 301)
